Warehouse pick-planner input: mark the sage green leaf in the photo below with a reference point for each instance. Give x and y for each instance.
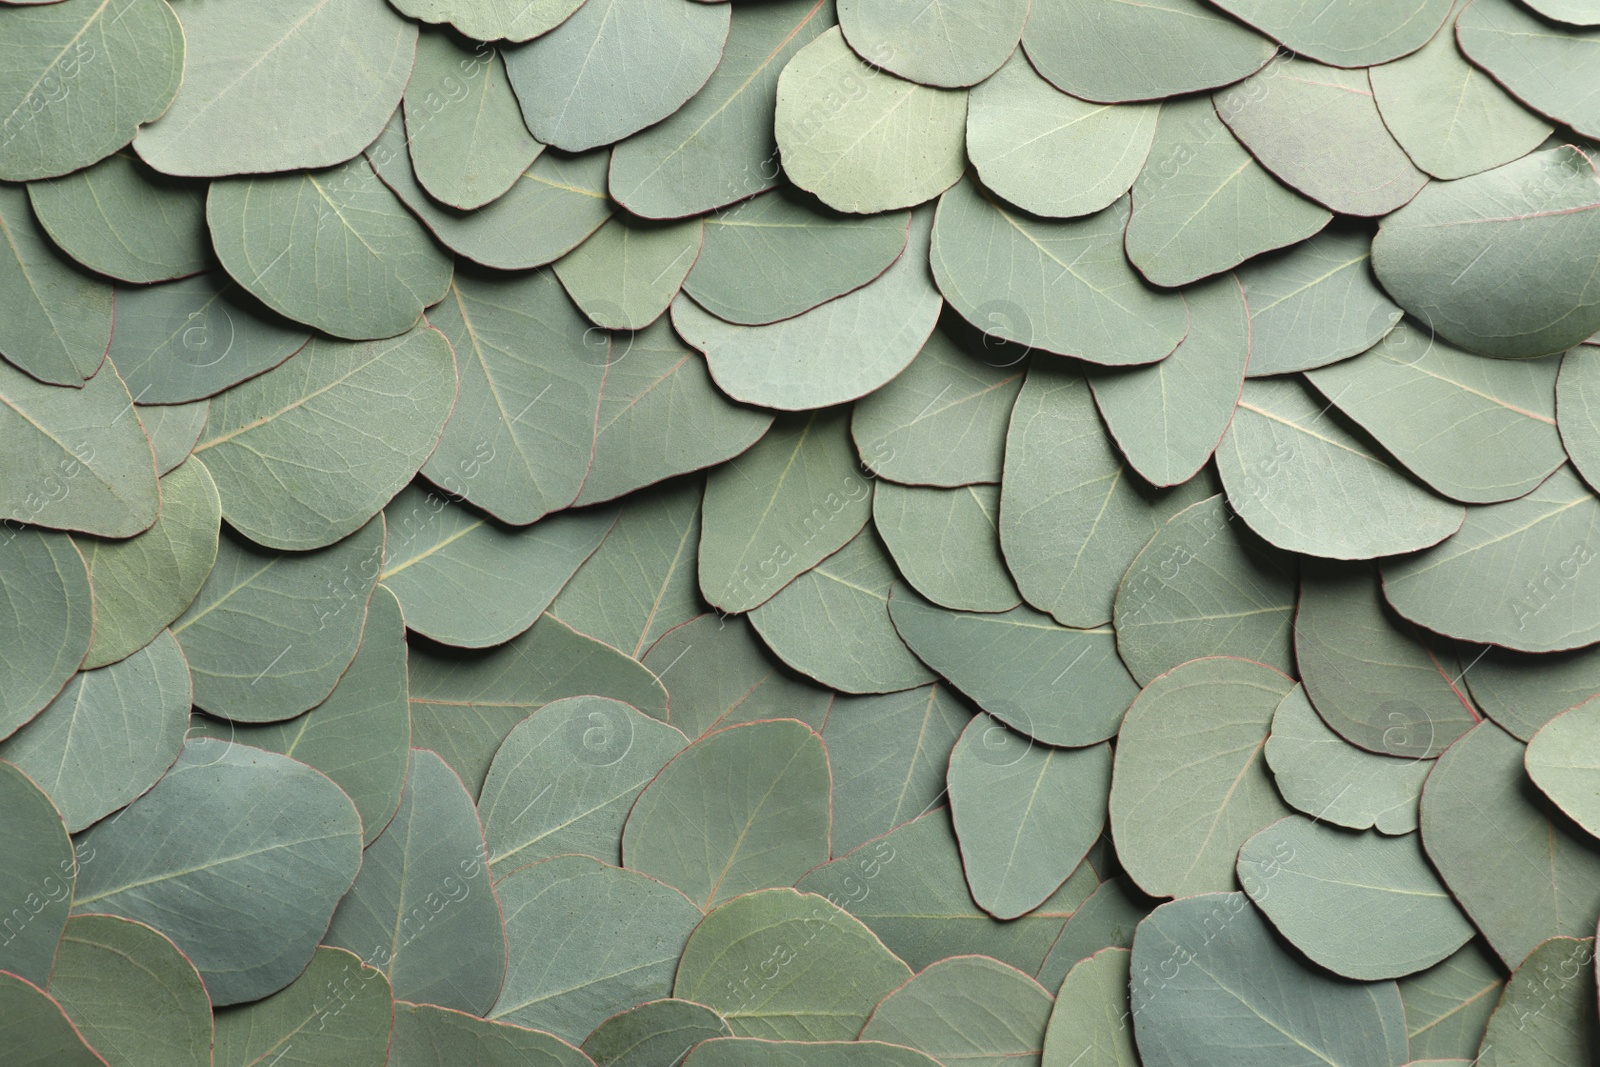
(634, 926)
(142, 584)
(743, 808)
(1578, 404)
(1448, 1005)
(1571, 11)
(422, 910)
(1168, 417)
(196, 337)
(850, 346)
(615, 67)
(123, 219)
(481, 147)
(335, 988)
(719, 147)
(75, 459)
(1516, 575)
(269, 634)
(1349, 33)
(959, 566)
(1377, 680)
(271, 88)
(491, 20)
(941, 421)
(1522, 692)
(657, 1031)
(57, 320)
(660, 415)
(78, 82)
(791, 501)
(38, 881)
(1544, 1013)
(626, 274)
(1320, 773)
(1106, 920)
(640, 582)
(361, 735)
(547, 212)
(307, 243)
(429, 1036)
(36, 1031)
(970, 1009)
(519, 344)
(957, 44)
(1315, 303)
(566, 776)
(887, 755)
(1189, 785)
(1049, 153)
(834, 970)
(1238, 601)
(761, 1052)
(1202, 204)
(832, 623)
(1307, 482)
(774, 256)
(862, 139)
(1519, 868)
(1025, 815)
(1561, 761)
(1226, 966)
(248, 917)
(129, 990)
(1365, 906)
(1079, 295)
(1073, 515)
(1014, 664)
(466, 580)
(1353, 165)
(109, 735)
(1449, 116)
(173, 430)
(464, 704)
(47, 623)
(1089, 1022)
(1109, 51)
(1544, 66)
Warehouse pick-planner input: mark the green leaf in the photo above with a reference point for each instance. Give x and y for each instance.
(490, 20)
(851, 345)
(627, 273)
(238, 854)
(1347, 33)
(1522, 692)
(48, 622)
(719, 147)
(1544, 1014)
(39, 868)
(1079, 296)
(519, 344)
(565, 777)
(1448, 1005)
(1189, 785)
(173, 430)
(1516, 575)
(293, 1024)
(970, 1009)
(1239, 601)
(1011, 664)
(79, 81)
(122, 219)
(657, 1031)
(464, 704)
(429, 1036)
(1106, 920)
(959, 566)
(788, 966)
(55, 321)
(110, 734)
(303, 84)
(417, 910)
(1353, 165)
(1571, 11)
(1578, 403)
(466, 580)
(861, 139)
(1110, 51)
(1546, 67)
(634, 929)
(1519, 869)
(759, 1052)
(482, 147)
(1226, 967)
(957, 45)
(35, 1030)
(1320, 773)
(1089, 1022)
(128, 990)
(1049, 153)
(1561, 761)
(615, 67)
(1306, 482)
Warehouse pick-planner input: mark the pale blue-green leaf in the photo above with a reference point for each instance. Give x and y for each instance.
(1345, 33)
(47, 622)
(36, 856)
(1547, 67)
(627, 272)
(57, 319)
(944, 44)
(970, 1010)
(946, 543)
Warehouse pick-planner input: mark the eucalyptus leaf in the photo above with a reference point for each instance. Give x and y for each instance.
(1106, 920)
(628, 271)
(48, 622)
(1543, 65)
(36, 1031)
(1578, 406)
(657, 1031)
(760, 1052)
(336, 987)
(57, 319)
(970, 1008)
(40, 868)
(1543, 1014)
(173, 430)
(429, 1036)
(1448, 1005)
(1089, 1023)
(959, 566)
(490, 20)
(1521, 692)
(1560, 760)
(943, 44)
(1347, 33)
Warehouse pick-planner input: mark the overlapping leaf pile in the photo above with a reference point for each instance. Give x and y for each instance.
(647, 532)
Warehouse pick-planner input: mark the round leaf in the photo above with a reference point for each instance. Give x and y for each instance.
(55, 321)
(490, 20)
(1543, 1014)
(960, 566)
(173, 430)
(338, 1011)
(1561, 761)
(1578, 405)
(758, 1052)
(1522, 692)
(627, 272)
(38, 863)
(970, 1008)
(1546, 67)
(1346, 33)
(48, 622)
(429, 1036)
(35, 1031)
(1448, 1005)
(1089, 1023)
(944, 44)
(657, 1031)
